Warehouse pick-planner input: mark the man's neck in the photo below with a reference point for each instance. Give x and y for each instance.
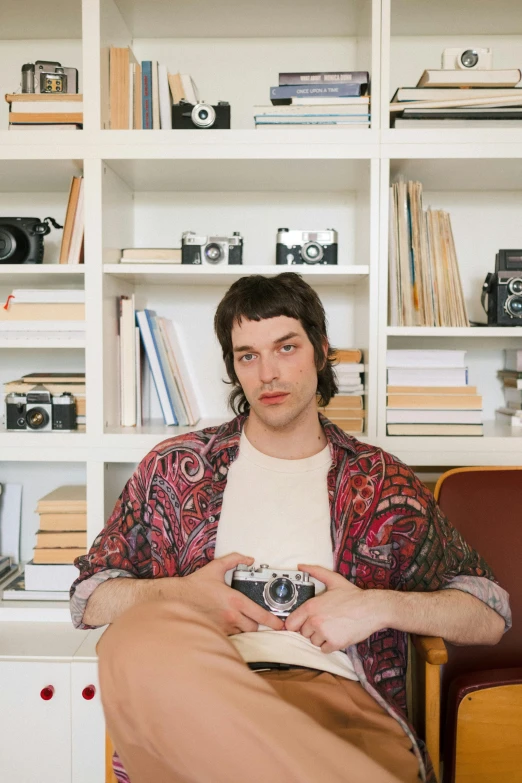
(302, 438)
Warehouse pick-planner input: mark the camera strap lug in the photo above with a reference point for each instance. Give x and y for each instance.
(486, 289)
(44, 228)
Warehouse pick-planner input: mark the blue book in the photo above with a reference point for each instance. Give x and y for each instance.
(146, 94)
(337, 90)
(144, 319)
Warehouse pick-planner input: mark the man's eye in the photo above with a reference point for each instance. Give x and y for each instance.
(247, 357)
(291, 347)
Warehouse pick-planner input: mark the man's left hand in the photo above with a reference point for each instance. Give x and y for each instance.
(340, 616)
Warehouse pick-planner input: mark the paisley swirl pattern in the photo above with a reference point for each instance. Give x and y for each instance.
(387, 533)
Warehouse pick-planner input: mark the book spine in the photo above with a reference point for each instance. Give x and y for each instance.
(146, 81)
(338, 90)
(324, 77)
(144, 318)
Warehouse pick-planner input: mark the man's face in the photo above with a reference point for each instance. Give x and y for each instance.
(274, 363)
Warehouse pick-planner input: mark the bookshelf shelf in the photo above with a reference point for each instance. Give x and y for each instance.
(23, 275)
(157, 274)
(41, 344)
(482, 332)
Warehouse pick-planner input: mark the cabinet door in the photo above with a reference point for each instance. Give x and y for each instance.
(88, 725)
(35, 732)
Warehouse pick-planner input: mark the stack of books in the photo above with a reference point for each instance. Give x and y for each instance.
(45, 111)
(56, 383)
(346, 409)
(425, 288)
(324, 99)
(460, 99)
(71, 250)
(45, 313)
(511, 377)
(61, 537)
(428, 394)
(166, 358)
(141, 94)
(151, 255)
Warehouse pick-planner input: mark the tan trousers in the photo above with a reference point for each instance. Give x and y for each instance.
(182, 707)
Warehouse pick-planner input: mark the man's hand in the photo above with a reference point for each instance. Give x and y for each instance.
(206, 591)
(342, 615)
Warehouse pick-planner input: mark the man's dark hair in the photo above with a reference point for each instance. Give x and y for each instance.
(255, 297)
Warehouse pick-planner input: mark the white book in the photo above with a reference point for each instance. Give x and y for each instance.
(311, 122)
(419, 416)
(359, 101)
(139, 418)
(513, 397)
(168, 372)
(184, 374)
(513, 360)
(47, 107)
(40, 126)
(310, 109)
(128, 362)
(78, 225)
(405, 94)
(470, 78)
(427, 376)
(10, 520)
(425, 358)
(456, 123)
(155, 97)
(49, 577)
(65, 327)
(37, 295)
(165, 102)
(189, 88)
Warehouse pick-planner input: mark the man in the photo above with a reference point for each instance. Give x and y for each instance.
(200, 683)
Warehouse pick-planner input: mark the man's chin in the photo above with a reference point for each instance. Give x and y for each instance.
(275, 415)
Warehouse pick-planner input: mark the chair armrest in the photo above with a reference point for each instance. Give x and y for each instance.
(431, 649)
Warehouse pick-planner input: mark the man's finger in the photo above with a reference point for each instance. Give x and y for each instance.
(324, 575)
(295, 620)
(260, 615)
(225, 563)
(246, 624)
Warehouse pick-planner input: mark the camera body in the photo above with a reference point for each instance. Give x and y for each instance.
(467, 59)
(503, 288)
(214, 251)
(21, 240)
(40, 411)
(279, 590)
(306, 247)
(202, 116)
(50, 77)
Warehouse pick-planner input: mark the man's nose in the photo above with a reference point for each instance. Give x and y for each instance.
(268, 369)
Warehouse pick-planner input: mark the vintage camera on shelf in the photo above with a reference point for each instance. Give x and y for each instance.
(279, 590)
(306, 247)
(196, 249)
(467, 59)
(21, 239)
(40, 411)
(50, 77)
(503, 289)
(201, 115)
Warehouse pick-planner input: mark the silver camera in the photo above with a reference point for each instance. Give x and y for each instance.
(40, 411)
(279, 590)
(47, 76)
(306, 247)
(467, 59)
(196, 249)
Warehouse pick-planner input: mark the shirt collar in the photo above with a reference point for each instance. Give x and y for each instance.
(228, 435)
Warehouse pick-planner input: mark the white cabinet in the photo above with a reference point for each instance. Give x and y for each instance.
(88, 724)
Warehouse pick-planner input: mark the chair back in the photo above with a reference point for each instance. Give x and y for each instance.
(485, 505)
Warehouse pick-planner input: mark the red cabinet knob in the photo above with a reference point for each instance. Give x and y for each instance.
(88, 692)
(47, 693)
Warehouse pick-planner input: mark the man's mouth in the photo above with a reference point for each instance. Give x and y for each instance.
(271, 398)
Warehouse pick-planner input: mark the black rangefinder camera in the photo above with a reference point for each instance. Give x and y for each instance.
(503, 289)
(213, 250)
(201, 115)
(306, 247)
(40, 411)
(279, 590)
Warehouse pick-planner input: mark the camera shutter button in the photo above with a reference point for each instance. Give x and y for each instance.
(306, 577)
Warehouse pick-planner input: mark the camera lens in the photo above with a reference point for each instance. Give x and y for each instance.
(469, 58)
(213, 253)
(37, 418)
(14, 245)
(203, 115)
(280, 594)
(513, 306)
(312, 253)
(515, 286)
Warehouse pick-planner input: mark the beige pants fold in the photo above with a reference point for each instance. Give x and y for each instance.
(182, 707)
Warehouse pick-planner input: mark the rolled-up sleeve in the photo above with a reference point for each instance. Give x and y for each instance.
(122, 549)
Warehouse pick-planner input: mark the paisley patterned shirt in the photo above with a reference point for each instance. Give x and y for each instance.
(387, 533)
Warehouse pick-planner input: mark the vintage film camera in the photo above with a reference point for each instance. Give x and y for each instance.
(201, 115)
(40, 411)
(306, 247)
(21, 239)
(196, 249)
(503, 288)
(280, 591)
(467, 59)
(48, 76)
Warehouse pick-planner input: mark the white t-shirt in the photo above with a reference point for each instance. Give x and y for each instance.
(278, 511)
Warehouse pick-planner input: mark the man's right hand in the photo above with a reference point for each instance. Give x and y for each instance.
(206, 591)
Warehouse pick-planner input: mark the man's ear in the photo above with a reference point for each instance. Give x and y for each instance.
(325, 347)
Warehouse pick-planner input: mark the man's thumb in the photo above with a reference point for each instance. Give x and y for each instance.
(225, 563)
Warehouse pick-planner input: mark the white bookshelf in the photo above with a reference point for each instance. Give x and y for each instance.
(145, 187)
